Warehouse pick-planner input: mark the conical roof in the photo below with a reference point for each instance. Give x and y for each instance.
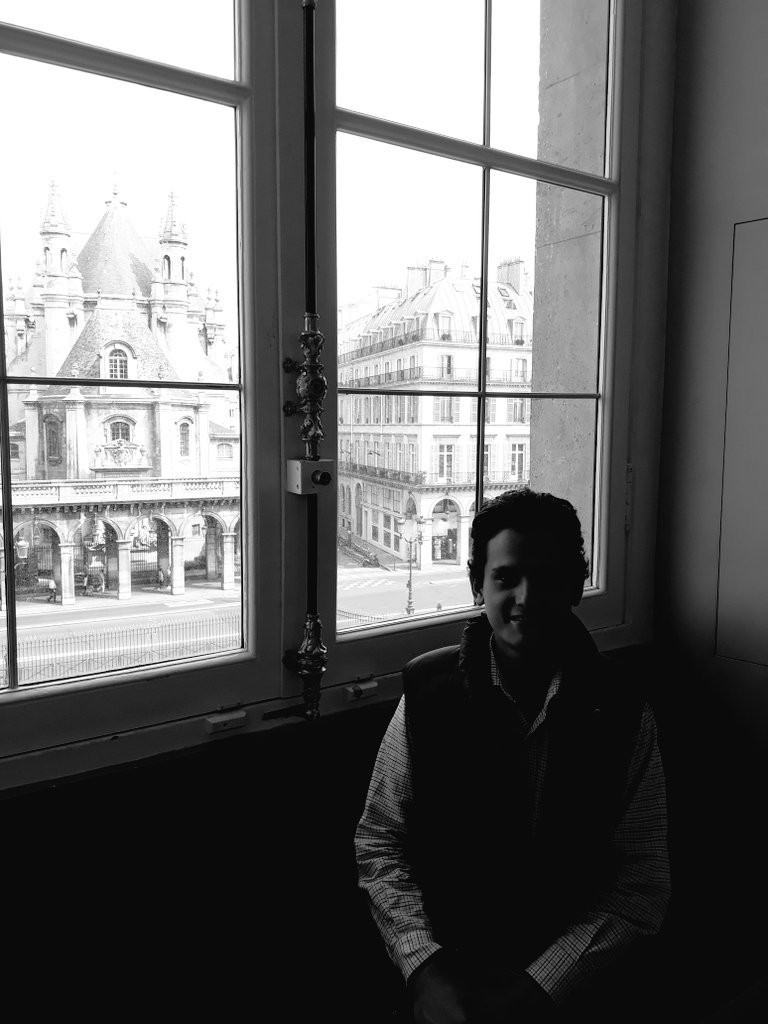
(114, 260)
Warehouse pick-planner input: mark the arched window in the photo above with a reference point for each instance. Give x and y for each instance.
(183, 439)
(46, 258)
(120, 431)
(63, 261)
(118, 365)
(166, 268)
(224, 450)
(52, 440)
(182, 268)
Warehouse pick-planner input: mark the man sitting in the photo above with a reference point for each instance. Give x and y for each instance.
(513, 842)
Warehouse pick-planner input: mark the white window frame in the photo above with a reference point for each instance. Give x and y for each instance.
(71, 726)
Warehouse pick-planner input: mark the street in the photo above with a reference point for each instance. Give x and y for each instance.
(382, 594)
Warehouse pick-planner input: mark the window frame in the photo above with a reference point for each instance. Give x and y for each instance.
(71, 726)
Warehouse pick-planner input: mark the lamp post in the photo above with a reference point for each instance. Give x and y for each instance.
(409, 530)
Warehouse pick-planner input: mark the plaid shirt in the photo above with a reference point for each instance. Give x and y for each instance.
(632, 907)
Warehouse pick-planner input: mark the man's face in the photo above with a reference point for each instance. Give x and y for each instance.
(526, 592)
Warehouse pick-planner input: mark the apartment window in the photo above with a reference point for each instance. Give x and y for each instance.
(445, 455)
(518, 410)
(517, 462)
(446, 360)
(446, 410)
(521, 369)
(14, 450)
(224, 450)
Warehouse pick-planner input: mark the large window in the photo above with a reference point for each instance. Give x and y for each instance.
(469, 259)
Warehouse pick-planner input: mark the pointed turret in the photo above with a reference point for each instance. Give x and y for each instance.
(54, 231)
(170, 301)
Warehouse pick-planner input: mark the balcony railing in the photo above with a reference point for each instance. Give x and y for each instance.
(436, 375)
(74, 492)
(364, 350)
(456, 478)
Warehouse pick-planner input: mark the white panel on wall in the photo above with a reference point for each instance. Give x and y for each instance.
(742, 616)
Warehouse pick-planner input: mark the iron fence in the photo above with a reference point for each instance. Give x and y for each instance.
(62, 656)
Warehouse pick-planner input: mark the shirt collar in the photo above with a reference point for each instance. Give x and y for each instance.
(552, 690)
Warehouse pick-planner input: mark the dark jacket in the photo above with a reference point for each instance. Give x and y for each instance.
(491, 884)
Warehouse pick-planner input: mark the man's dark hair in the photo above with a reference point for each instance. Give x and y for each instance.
(529, 511)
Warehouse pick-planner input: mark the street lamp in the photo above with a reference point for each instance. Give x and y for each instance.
(409, 530)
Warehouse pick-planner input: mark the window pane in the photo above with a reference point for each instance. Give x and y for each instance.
(549, 80)
(409, 303)
(420, 64)
(120, 266)
(126, 548)
(546, 245)
(403, 521)
(422, 481)
(194, 34)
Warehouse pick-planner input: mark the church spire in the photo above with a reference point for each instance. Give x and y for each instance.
(54, 221)
(174, 230)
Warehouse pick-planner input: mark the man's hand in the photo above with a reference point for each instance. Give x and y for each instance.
(501, 998)
(438, 991)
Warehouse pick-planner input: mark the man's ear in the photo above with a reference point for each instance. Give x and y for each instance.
(477, 594)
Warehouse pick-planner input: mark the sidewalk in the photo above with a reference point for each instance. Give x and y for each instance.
(197, 592)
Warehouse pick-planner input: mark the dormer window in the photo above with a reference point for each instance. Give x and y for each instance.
(118, 364)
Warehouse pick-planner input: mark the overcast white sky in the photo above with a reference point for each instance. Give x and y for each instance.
(420, 62)
(88, 134)
(417, 61)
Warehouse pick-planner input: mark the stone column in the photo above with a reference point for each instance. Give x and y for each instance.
(66, 551)
(228, 562)
(177, 565)
(124, 569)
(78, 463)
(211, 567)
(32, 441)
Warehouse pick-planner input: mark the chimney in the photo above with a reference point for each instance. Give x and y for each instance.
(436, 271)
(416, 279)
(511, 272)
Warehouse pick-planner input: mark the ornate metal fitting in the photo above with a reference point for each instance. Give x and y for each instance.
(311, 660)
(311, 388)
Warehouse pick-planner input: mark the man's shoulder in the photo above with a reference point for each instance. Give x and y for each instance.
(431, 669)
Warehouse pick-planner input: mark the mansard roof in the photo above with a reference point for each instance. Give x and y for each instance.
(459, 296)
(114, 260)
(106, 326)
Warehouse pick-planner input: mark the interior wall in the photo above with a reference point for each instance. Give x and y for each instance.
(720, 174)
